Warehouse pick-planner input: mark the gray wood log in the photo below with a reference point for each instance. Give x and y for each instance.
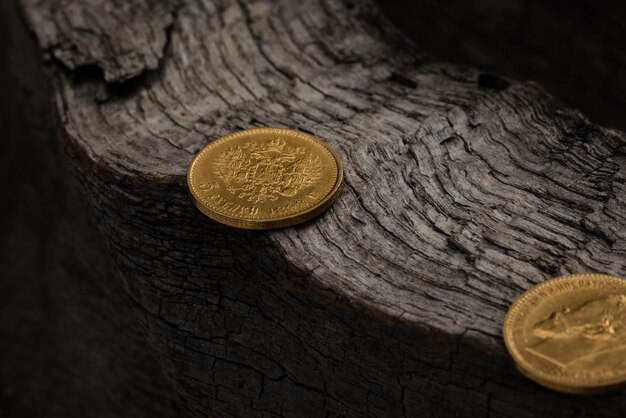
(462, 190)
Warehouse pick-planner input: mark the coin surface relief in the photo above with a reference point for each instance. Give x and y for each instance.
(265, 178)
(569, 333)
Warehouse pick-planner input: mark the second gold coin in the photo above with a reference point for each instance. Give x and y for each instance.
(569, 333)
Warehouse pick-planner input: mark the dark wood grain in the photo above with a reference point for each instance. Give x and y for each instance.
(462, 190)
(70, 345)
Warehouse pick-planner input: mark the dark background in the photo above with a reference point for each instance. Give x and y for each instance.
(576, 50)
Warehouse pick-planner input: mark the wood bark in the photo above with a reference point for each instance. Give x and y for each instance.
(462, 189)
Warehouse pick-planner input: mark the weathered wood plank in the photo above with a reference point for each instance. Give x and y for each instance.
(461, 192)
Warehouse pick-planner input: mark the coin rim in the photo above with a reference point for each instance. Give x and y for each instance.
(284, 221)
(543, 378)
(572, 390)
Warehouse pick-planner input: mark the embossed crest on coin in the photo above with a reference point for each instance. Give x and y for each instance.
(266, 171)
(569, 333)
(265, 178)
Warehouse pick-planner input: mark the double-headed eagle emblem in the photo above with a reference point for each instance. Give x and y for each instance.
(261, 171)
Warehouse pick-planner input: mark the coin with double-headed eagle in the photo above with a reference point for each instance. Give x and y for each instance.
(265, 178)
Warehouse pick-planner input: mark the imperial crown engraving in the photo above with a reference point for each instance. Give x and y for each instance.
(260, 171)
(585, 338)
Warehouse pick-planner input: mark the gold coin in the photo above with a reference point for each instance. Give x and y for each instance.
(265, 178)
(569, 333)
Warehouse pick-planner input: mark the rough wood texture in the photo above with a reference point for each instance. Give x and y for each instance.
(121, 38)
(462, 190)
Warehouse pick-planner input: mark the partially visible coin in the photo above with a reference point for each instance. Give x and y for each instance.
(265, 178)
(569, 333)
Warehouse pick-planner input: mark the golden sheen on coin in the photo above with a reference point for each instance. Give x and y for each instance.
(569, 333)
(265, 178)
